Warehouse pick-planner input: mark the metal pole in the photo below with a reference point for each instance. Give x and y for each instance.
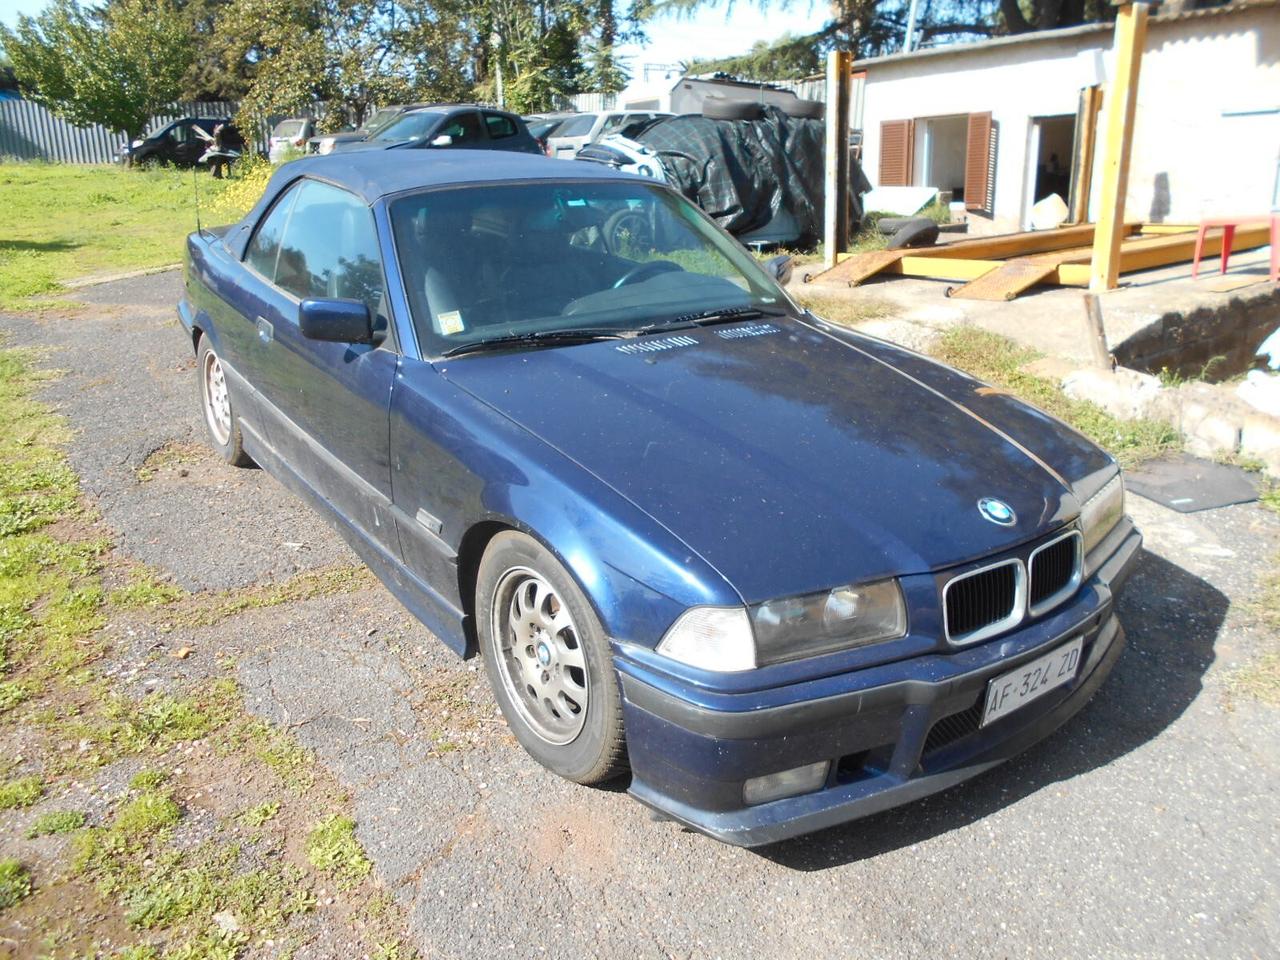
(909, 40)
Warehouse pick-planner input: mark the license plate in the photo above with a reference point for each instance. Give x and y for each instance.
(1012, 690)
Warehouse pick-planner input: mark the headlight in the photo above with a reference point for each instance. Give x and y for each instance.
(136, 143)
(1101, 512)
(730, 639)
(832, 620)
(713, 638)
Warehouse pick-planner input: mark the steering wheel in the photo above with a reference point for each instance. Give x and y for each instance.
(644, 271)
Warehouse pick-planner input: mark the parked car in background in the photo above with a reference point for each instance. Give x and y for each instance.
(784, 573)
(543, 125)
(324, 143)
(583, 128)
(450, 125)
(181, 143)
(288, 136)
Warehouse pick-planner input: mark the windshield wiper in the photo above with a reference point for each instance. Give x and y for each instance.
(538, 337)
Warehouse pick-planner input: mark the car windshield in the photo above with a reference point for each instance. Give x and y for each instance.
(546, 258)
(379, 120)
(410, 126)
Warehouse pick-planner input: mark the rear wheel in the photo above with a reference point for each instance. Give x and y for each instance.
(548, 661)
(220, 420)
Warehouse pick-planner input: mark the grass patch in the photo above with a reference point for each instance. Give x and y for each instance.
(15, 882)
(62, 221)
(1000, 361)
(332, 848)
(12, 693)
(203, 610)
(145, 589)
(1270, 497)
(845, 311)
(21, 792)
(55, 822)
(148, 780)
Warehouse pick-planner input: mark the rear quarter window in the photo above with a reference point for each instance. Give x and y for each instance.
(499, 127)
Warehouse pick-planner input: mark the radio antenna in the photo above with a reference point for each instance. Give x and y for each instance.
(195, 187)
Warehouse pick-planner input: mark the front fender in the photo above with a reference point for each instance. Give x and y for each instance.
(458, 464)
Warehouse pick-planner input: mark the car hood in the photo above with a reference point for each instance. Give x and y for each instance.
(788, 459)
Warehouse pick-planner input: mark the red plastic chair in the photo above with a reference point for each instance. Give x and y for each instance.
(1228, 225)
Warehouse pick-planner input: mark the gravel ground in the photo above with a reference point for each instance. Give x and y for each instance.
(1146, 827)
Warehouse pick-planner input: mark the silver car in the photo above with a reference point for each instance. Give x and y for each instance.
(289, 136)
(583, 128)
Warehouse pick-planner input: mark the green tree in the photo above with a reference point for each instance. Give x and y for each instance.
(788, 57)
(116, 67)
(351, 54)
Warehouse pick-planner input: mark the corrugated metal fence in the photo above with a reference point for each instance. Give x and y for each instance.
(30, 132)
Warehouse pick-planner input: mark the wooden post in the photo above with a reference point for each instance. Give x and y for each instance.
(835, 232)
(1086, 142)
(1122, 101)
(1096, 334)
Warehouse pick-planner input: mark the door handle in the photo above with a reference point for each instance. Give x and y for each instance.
(266, 332)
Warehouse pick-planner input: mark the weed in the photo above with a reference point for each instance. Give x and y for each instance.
(21, 792)
(332, 848)
(998, 360)
(204, 610)
(172, 454)
(148, 780)
(1270, 497)
(56, 821)
(148, 813)
(12, 693)
(15, 882)
(257, 816)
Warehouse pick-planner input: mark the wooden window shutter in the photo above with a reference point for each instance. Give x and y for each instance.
(897, 152)
(979, 163)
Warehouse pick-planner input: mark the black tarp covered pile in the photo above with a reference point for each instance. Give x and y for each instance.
(741, 172)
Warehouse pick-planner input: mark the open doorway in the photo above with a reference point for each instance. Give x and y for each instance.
(940, 153)
(1053, 139)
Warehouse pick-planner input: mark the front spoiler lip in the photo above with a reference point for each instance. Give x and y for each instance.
(785, 819)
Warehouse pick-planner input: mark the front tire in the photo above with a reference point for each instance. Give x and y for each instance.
(548, 661)
(220, 420)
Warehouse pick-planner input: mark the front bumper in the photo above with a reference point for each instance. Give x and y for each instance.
(892, 733)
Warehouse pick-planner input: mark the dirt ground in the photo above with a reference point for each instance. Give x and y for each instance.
(1145, 827)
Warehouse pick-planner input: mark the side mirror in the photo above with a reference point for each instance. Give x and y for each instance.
(336, 321)
(444, 140)
(779, 268)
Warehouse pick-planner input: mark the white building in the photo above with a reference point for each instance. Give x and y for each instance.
(994, 122)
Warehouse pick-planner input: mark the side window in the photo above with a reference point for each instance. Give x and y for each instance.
(613, 124)
(330, 248)
(464, 128)
(181, 133)
(264, 248)
(499, 127)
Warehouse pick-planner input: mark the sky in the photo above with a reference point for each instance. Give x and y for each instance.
(711, 32)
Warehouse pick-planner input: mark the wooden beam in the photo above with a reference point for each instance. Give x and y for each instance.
(941, 268)
(1122, 103)
(835, 230)
(1086, 143)
(1144, 253)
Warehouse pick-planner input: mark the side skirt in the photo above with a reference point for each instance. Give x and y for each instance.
(435, 612)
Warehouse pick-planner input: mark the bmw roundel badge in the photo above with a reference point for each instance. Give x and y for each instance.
(997, 511)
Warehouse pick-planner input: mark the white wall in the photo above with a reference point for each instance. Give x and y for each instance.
(1193, 70)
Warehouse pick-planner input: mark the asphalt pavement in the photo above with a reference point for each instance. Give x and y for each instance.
(1145, 827)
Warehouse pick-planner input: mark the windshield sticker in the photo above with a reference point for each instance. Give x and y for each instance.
(450, 323)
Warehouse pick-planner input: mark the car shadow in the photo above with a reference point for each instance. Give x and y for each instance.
(1172, 619)
(36, 246)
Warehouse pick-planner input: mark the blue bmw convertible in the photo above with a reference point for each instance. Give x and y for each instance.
(785, 574)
